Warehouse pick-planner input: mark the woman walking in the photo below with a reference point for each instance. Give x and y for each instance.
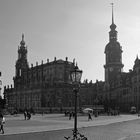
(2, 121)
(89, 116)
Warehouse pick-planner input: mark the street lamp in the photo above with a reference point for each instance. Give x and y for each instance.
(75, 76)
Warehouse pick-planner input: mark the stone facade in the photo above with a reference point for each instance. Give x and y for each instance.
(44, 85)
(47, 86)
(122, 89)
(125, 89)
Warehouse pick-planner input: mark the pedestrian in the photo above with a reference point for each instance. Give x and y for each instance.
(73, 114)
(70, 114)
(96, 113)
(89, 116)
(65, 113)
(25, 114)
(28, 115)
(2, 121)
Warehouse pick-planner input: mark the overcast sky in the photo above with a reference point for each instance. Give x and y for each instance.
(67, 28)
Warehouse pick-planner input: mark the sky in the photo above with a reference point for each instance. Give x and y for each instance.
(67, 28)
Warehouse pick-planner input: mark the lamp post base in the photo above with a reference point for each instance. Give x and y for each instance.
(76, 136)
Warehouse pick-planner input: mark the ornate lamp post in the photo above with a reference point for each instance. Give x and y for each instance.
(76, 75)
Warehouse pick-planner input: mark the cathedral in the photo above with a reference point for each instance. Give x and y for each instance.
(44, 85)
(47, 86)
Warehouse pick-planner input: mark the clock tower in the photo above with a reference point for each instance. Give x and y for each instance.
(113, 54)
(21, 63)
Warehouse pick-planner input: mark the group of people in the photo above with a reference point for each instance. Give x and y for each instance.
(71, 114)
(27, 115)
(2, 121)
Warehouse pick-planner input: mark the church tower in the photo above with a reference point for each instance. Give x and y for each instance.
(21, 63)
(113, 54)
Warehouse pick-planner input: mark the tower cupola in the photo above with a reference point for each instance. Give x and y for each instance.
(21, 63)
(22, 43)
(113, 32)
(22, 50)
(113, 52)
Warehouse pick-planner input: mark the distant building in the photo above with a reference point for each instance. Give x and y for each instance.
(122, 89)
(44, 85)
(47, 86)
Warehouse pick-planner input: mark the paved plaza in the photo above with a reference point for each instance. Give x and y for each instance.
(49, 122)
(16, 125)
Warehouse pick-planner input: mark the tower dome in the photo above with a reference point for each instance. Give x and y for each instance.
(113, 52)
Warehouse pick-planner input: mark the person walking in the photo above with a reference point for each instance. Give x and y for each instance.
(28, 115)
(70, 114)
(89, 116)
(25, 114)
(2, 121)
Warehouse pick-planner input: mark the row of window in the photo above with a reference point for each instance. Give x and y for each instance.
(136, 79)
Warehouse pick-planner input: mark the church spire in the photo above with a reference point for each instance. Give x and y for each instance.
(113, 32)
(113, 52)
(22, 43)
(112, 26)
(22, 37)
(112, 13)
(22, 50)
